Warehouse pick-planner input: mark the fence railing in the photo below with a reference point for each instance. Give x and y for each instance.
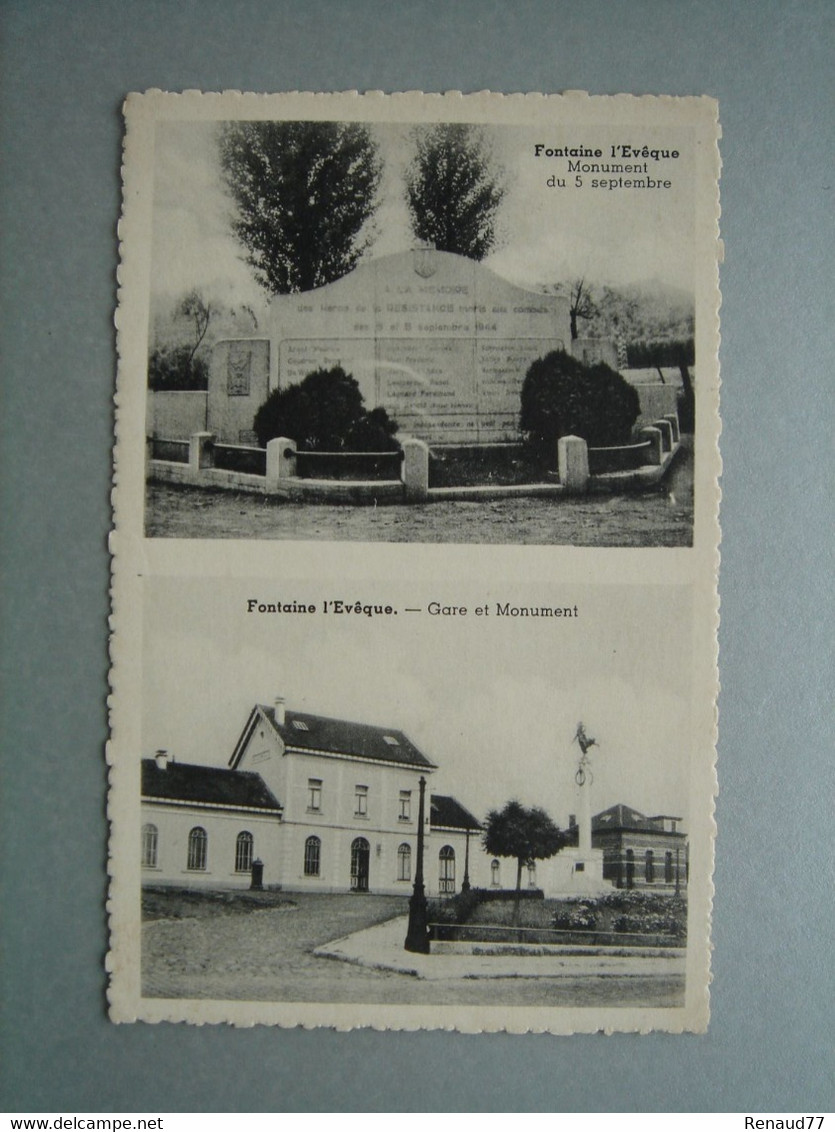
(504, 933)
(621, 458)
(283, 470)
(348, 465)
(175, 451)
(240, 458)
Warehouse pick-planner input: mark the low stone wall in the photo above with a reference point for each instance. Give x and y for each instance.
(657, 445)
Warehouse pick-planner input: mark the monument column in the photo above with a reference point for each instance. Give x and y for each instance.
(583, 778)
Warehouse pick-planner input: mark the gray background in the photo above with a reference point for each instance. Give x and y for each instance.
(65, 70)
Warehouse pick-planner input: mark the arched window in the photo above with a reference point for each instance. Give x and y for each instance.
(404, 862)
(150, 838)
(243, 852)
(495, 874)
(668, 867)
(360, 862)
(531, 875)
(649, 867)
(197, 841)
(446, 864)
(312, 856)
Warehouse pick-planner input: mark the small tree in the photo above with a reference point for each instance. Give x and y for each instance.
(304, 194)
(452, 191)
(528, 835)
(176, 364)
(580, 305)
(325, 412)
(562, 397)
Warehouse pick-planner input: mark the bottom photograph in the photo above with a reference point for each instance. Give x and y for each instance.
(471, 810)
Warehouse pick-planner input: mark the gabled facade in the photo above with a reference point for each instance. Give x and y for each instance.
(323, 804)
(350, 793)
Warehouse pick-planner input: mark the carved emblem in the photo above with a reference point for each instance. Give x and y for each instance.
(424, 261)
(238, 369)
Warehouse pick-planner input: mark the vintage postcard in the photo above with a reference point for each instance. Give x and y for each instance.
(414, 671)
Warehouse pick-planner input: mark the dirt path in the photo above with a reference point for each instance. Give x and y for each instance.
(663, 517)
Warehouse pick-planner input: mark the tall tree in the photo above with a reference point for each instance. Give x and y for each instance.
(304, 194)
(526, 834)
(452, 190)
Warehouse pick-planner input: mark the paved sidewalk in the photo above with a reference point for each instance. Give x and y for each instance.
(381, 948)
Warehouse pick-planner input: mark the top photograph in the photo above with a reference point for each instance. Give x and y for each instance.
(436, 330)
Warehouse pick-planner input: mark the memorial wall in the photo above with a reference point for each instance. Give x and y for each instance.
(438, 340)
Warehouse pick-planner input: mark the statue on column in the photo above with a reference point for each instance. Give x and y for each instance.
(585, 743)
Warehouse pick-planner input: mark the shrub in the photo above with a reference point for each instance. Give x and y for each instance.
(177, 369)
(325, 412)
(576, 917)
(458, 909)
(562, 397)
(651, 923)
(670, 352)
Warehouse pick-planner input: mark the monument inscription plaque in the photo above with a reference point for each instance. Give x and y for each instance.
(438, 340)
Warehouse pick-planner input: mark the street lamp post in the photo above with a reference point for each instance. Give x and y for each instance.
(417, 935)
(465, 883)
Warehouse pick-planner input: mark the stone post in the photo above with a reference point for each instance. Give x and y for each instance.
(200, 452)
(573, 463)
(415, 469)
(281, 463)
(653, 435)
(674, 424)
(666, 430)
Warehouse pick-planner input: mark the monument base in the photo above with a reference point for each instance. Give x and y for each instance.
(573, 872)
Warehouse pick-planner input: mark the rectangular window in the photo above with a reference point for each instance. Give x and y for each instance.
(405, 812)
(314, 794)
(361, 801)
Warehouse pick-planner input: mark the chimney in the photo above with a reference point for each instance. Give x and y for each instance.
(572, 820)
(279, 710)
(161, 759)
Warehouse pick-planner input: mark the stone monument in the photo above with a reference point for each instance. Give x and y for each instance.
(440, 341)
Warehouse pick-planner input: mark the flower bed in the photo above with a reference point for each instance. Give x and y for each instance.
(485, 466)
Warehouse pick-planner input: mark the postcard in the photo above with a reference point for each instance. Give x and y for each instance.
(415, 555)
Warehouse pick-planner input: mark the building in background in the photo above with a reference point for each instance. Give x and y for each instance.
(641, 852)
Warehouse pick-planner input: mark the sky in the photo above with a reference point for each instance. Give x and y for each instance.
(546, 235)
(494, 701)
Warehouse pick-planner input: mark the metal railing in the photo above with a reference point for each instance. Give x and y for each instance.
(492, 933)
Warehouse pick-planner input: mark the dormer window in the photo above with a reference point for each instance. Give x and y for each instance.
(392, 742)
(300, 725)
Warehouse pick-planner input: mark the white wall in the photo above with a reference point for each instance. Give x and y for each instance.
(173, 826)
